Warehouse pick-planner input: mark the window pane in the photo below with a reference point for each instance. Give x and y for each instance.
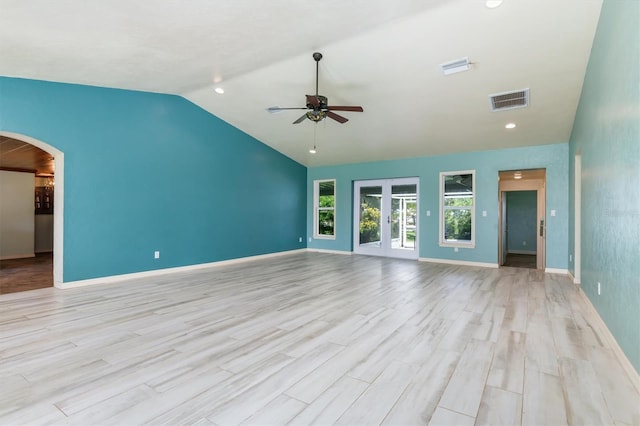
(325, 222)
(370, 215)
(465, 200)
(457, 225)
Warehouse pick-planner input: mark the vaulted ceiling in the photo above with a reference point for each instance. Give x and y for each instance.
(382, 55)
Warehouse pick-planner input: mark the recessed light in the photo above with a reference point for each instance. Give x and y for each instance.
(492, 4)
(219, 90)
(510, 126)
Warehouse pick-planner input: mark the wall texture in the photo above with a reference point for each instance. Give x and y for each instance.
(16, 215)
(146, 172)
(487, 164)
(606, 133)
(522, 221)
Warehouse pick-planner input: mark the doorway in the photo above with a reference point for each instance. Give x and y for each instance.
(522, 224)
(386, 218)
(47, 261)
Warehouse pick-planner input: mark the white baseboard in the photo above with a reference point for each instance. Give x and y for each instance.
(556, 271)
(612, 343)
(573, 279)
(348, 253)
(17, 256)
(156, 272)
(530, 252)
(458, 262)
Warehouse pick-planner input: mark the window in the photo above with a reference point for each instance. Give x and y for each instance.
(324, 208)
(457, 209)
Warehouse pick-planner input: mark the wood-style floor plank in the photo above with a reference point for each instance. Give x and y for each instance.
(312, 338)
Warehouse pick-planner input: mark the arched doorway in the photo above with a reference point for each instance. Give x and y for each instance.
(58, 205)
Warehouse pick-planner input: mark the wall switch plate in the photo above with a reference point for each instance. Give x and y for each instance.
(484, 213)
(156, 254)
(310, 239)
(300, 239)
(428, 212)
(553, 212)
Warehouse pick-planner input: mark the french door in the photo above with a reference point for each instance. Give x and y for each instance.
(386, 217)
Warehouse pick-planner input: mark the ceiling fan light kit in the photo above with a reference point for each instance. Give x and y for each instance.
(317, 106)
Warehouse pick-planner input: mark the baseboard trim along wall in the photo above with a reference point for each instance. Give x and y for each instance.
(612, 343)
(529, 252)
(17, 256)
(556, 271)
(156, 272)
(348, 253)
(458, 262)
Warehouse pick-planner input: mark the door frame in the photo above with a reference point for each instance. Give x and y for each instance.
(385, 248)
(537, 185)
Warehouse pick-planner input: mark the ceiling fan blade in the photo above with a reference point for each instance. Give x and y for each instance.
(345, 108)
(337, 117)
(301, 119)
(313, 100)
(274, 108)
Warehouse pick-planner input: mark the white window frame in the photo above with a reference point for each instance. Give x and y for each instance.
(317, 209)
(457, 243)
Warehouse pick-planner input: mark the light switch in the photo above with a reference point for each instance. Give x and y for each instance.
(428, 212)
(484, 213)
(553, 212)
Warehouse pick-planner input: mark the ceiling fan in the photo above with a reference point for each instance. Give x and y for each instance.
(317, 105)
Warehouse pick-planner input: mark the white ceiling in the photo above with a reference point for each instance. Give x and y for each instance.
(382, 55)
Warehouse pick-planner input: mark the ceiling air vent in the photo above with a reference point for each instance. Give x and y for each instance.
(455, 66)
(509, 100)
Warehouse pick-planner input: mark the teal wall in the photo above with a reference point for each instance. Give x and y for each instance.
(146, 172)
(606, 133)
(521, 221)
(487, 164)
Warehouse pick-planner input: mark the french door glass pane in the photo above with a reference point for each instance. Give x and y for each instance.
(370, 215)
(403, 217)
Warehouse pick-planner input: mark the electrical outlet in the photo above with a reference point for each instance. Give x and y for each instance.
(598, 288)
(156, 254)
(428, 212)
(300, 239)
(455, 249)
(310, 239)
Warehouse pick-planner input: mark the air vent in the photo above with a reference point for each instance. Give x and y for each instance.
(456, 66)
(509, 100)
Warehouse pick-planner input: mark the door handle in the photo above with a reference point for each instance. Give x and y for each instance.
(541, 227)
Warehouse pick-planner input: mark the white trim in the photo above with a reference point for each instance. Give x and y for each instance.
(573, 278)
(17, 256)
(458, 262)
(58, 201)
(612, 343)
(343, 252)
(532, 252)
(125, 277)
(556, 271)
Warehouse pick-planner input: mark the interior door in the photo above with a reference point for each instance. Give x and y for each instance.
(386, 217)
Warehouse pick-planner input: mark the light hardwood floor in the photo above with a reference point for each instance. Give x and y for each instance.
(312, 338)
